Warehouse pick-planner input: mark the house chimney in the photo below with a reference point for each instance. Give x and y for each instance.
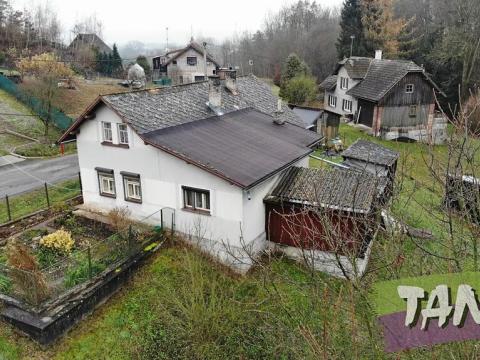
(214, 92)
(231, 81)
(205, 59)
(277, 117)
(378, 54)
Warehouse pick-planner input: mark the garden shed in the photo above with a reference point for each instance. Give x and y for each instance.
(329, 212)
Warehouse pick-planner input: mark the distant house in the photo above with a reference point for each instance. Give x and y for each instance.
(186, 65)
(394, 98)
(89, 41)
(206, 153)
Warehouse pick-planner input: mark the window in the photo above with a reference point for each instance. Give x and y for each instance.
(174, 62)
(199, 78)
(409, 88)
(332, 101)
(107, 131)
(343, 83)
(412, 111)
(192, 60)
(132, 187)
(347, 105)
(196, 199)
(106, 182)
(122, 134)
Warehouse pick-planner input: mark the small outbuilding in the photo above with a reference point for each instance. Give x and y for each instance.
(378, 160)
(324, 216)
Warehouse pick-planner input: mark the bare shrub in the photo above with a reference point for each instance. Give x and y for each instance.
(28, 281)
(119, 218)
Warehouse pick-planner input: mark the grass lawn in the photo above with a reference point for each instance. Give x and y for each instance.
(74, 102)
(21, 205)
(181, 305)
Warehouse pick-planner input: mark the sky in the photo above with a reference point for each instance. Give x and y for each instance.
(122, 22)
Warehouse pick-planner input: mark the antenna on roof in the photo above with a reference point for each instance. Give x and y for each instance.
(166, 49)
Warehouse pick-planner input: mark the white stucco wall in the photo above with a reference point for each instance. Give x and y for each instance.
(341, 94)
(237, 217)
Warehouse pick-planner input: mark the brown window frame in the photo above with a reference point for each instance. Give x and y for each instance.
(101, 172)
(127, 176)
(195, 192)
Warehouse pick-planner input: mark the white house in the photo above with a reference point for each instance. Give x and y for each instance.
(205, 153)
(189, 64)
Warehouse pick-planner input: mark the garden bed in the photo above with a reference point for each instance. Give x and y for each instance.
(54, 273)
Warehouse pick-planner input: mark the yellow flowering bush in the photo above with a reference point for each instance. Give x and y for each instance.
(60, 241)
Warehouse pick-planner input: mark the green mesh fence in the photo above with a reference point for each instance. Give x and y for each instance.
(59, 119)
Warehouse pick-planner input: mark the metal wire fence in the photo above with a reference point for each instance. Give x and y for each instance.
(35, 285)
(43, 197)
(55, 115)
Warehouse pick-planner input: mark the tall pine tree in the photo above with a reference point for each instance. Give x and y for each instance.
(351, 25)
(116, 61)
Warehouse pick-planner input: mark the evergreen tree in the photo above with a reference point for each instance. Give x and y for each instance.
(116, 61)
(351, 25)
(293, 67)
(381, 30)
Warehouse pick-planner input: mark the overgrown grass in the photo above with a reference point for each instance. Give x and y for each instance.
(25, 204)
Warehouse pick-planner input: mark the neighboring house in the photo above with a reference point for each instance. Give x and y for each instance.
(209, 152)
(394, 98)
(183, 66)
(89, 41)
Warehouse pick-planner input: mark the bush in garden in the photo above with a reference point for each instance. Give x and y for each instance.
(60, 241)
(27, 279)
(5, 284)
(119, 218)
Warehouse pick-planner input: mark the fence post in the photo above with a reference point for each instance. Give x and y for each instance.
(130, 239)
(46, 193)
(8, 208)
(89, 256)
(173, 223)
(80, 181)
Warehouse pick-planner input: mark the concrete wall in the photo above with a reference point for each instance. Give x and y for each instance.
(188, 72)
(341, 95)
(237, 217)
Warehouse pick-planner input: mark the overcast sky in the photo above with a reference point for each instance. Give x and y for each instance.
(123, 21)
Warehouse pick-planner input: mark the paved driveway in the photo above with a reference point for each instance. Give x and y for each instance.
(31, 174)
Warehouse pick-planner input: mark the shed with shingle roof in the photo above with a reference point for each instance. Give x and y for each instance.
(331, 210)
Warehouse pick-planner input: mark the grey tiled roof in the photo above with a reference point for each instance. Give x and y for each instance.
(357, 67)
(329, 188)
(154, 109)
(381, 77)
(329, 83)
(308, 115)
(243, 147)
(370, 152)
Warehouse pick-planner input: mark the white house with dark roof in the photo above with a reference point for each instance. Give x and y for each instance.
(396, 99)
(206, 154)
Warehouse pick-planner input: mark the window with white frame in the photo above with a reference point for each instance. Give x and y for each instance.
(343, 83)
(106, 182)
(347, 105)
(122, 134)
(196, 199)
(132, 187)
(332, 101)
(409, 88)
(107, 131)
